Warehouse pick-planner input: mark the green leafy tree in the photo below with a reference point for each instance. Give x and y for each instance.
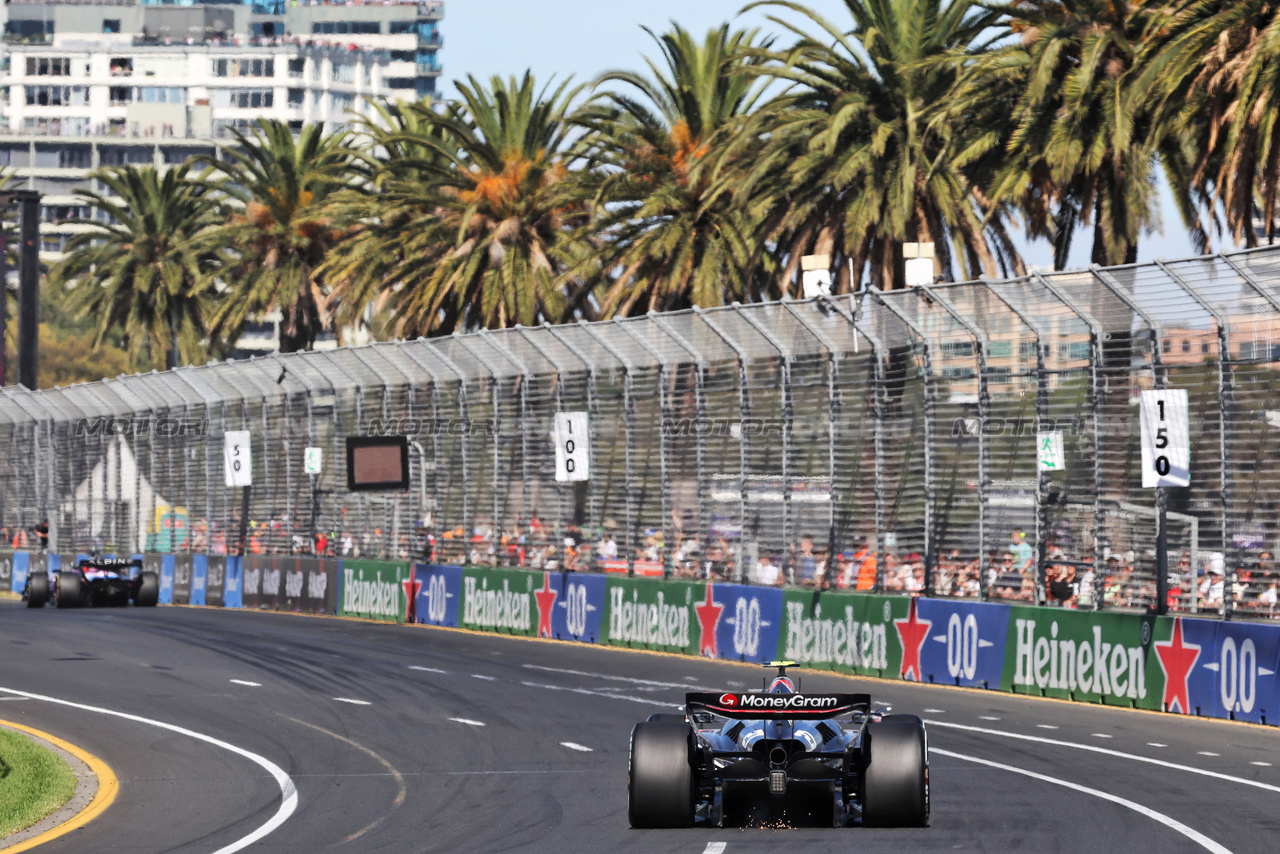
(672, 229)
(143, 268)
(863, 154)
(280, 227)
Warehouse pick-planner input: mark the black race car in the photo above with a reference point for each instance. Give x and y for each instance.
(94, 581)
(755, 758)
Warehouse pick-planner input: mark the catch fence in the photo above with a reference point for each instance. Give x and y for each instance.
(884, 438)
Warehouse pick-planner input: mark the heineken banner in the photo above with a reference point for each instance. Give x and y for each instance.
(375, 589)
(232, 583)
(844, 631)
(439, 593)
(1217, 669)
(577, 605)
(1082, 655)
(503, 600)
(166, 579)
(199, 578)
(737, 621)
(215, 579)
(654, 615)
(953, 641)
(181, 579)
(252, 580)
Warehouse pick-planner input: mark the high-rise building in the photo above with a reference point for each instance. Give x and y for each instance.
(88, 83)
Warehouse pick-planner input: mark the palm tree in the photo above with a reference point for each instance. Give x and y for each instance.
(860, 157)
(474, 211)
(1214, 70)
(143, 267)
(280, 227)
(670, 227)
(1083, 149)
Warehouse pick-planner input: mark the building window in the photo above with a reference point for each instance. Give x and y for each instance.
(1166, 346)
(159, 95)
(75, 158)
(399, 82)
(403, 55)
(62, 213)
(111, 25)
(343, 28)
(28, 32)
(58, 66)
(1204, 347)
(121, 66)
(296, 98)
(1186, 346)
(251, 99)
(120, 96)
(244, 68)
(297, 67)
(344, 74)
(399, 27)
(56, 96)
(343, 103)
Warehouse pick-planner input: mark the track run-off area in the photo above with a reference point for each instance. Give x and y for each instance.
(232, 730)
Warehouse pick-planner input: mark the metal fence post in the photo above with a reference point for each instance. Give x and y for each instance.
(984, 416)
(593, 494)
(745, 573)
(629, 424)
(930, 402)
(784, 355)
(700, 414)
(1095, 407)
(663, 455)
(465, 444)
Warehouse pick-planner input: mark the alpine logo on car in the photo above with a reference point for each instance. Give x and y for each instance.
(501, 609)
(377, 597)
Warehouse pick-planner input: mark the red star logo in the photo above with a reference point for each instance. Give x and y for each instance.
(546, 598)
(1176, 660)
(411, 587)
(708, 618)
(912, 632)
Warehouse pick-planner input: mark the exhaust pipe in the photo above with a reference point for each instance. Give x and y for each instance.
(778, 756)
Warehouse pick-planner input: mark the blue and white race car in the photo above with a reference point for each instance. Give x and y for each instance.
(779, 755)
(94, 581)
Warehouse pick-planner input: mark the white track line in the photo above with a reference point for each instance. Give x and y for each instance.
(683, 686)
(485, 678)
(1261, 764)
(1207, 753)
(1173, 824)
(1107, 752)
(580, 748)
(467, 721)
(352, 701)
(246, 682)
(645, 700)
(715, 848)
(427, 669)
(288, 793)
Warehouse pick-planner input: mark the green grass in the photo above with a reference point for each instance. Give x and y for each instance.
(34, 781)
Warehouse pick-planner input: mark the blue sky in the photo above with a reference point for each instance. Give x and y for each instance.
(585, 37)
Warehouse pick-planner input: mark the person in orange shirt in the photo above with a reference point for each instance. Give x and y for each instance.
(865, 560)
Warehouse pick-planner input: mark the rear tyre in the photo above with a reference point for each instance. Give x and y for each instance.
(660, 782)
(68, 590)
(895, 789)
(37, 589)
(147, 592)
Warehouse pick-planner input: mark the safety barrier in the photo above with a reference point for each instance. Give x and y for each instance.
(1211, 668)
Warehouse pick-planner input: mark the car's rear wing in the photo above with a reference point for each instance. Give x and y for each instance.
(754, 705)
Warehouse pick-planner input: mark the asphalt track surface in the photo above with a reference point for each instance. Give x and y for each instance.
(408, 766)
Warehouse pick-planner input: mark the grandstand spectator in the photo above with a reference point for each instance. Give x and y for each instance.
(846, 575)
(1211, 586)
(1023, 554)
(42, 533)
(767, 573)
(1008, 584)
(1062, 590)
(806, 571)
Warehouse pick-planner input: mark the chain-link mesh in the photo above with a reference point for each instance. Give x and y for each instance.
(882, 441)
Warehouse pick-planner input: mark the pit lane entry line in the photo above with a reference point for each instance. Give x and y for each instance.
(288, 792)
(1257, 784)
(1173, 824)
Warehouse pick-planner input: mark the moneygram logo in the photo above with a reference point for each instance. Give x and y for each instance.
(779, 702)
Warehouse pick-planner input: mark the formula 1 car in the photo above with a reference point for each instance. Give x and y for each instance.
(747, 758)
(94, 581)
